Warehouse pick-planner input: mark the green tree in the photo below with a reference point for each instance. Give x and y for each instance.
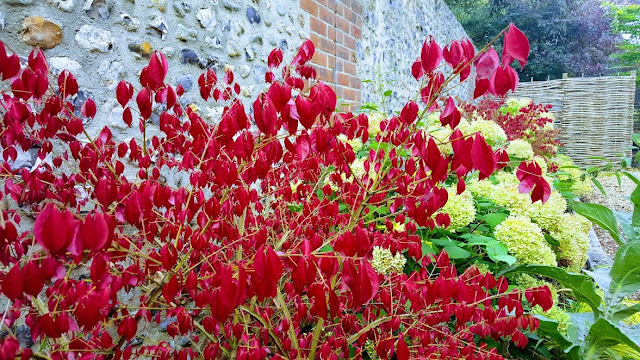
(572, 36)
(626, 22)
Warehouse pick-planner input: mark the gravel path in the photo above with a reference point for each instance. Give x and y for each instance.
(617, 199)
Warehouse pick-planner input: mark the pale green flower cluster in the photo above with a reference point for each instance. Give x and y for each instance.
(480, 188)
(507, 195)
(520, 149)
(525, 241)
(384, 262)
(572, 232)
(547, 215)
(492, 132)
(356, 143)
(374, 123)
(461, 209)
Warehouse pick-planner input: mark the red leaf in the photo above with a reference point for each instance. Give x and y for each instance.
(501, 81)
(482, 86)
(307, 111)
(531, 179)
(487, 63)
(265, 115)
(96, 232)
(144, 103)
(361, 280)
(516, 46)
(409, 112)
(402, 351)
(158, 68)
(127, 117)
(124, 92)
(268, 270)
(431, 55)
(67, 84)
(540, 296)
(453, 54)
(302, 147)
(12, 283)
(88, 108)
(10, 67)
(482, 157)
(275, 58)
(32, 277)
(55, 230)
(451, 115)
(416, 69)
(128, 328)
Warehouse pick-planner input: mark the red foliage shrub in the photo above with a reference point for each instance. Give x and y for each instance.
(244, 264)
(526, 123)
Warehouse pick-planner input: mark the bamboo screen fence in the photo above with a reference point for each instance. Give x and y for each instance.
(594, 114)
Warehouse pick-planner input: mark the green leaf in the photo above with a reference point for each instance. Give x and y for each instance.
(426, 249)
(456, 252)
(602, 336)
(599, 186)
(601, 215)
(326, 249)
(445, 242)
(388, 93)
(624, 312)
(636, 139)
(625, 271)
(632, 177)
(582, 285)
(549, 328)
(498, 252)
(551, 240)
(494, 219)
(474, 239)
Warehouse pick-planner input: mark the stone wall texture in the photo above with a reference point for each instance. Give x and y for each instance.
(104, 41)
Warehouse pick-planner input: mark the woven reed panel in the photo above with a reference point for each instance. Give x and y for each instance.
(594, 114)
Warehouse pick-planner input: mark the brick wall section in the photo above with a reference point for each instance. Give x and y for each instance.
(335, 28)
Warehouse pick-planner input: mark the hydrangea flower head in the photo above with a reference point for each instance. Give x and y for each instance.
(520, 149)
(384, 262)
(525, 241)
(461, 209)
(572, 232)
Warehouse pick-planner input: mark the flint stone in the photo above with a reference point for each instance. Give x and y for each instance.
(253, 15)
(233, 49)
(230, 5)
(206, 18)
(186, 81)
(186, 34)
(59, 64)
(129, 23)
(188, 56)
(19, 2)
(93, 39)
(97, 8)
(38, 31)
(111, 72)
(181, 8)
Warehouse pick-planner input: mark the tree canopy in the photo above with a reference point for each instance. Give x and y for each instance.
(566, 36)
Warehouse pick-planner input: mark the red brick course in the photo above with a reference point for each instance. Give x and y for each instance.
(335, 29)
